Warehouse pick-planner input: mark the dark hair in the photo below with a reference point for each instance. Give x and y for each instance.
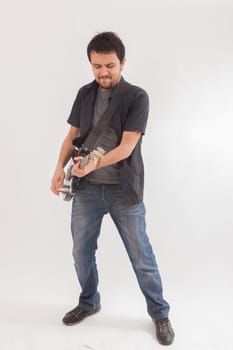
(106, 42)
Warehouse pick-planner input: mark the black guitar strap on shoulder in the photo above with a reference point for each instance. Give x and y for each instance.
(95, 132)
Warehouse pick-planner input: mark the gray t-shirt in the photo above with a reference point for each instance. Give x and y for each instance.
(109, 140)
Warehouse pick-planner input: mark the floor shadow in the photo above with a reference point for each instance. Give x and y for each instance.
(49, 315)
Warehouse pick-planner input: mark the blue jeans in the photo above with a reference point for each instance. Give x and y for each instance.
(89, 206)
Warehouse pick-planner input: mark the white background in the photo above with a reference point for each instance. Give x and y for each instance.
(181, 52)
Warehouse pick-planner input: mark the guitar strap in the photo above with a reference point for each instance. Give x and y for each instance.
(94, 134)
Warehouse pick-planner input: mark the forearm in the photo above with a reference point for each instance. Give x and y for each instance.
(59, 174)
(123, 151)
(67, 148)
(65, 154)
(116, 155)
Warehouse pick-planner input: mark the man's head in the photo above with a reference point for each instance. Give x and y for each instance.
(106, 53)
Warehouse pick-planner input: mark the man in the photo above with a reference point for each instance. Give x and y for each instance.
(113, 182)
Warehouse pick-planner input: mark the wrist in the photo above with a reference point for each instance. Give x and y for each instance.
(96, 157)
(59, 166)
(98, 163)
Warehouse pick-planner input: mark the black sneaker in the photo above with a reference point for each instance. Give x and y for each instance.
(77, 315)
(164, 331)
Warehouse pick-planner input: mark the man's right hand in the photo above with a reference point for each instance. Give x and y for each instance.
(57, 180)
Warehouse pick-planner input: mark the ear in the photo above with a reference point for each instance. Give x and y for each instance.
(122, 63)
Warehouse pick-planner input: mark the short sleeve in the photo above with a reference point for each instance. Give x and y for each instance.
(137, 116)
(74, 117)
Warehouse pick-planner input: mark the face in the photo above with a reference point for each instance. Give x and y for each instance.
(106, 68)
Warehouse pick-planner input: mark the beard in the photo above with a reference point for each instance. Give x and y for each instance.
(105, 82)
